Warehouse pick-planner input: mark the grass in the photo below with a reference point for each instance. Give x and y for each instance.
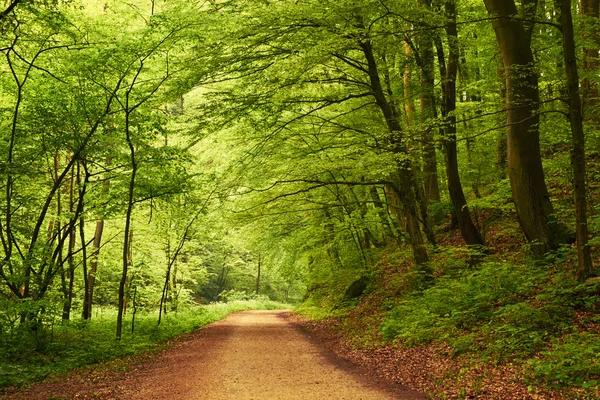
(55, 349)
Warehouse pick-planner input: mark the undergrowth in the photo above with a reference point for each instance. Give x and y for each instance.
(27, 356)
(508, 312)
(535, 315)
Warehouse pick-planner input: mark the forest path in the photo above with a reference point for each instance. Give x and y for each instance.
(255, 355)
(258, 355)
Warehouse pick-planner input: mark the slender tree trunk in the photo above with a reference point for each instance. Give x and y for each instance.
(409, 101)
(527, 180)
(590, 27)
(404, 185)
(428, 113)
(469, 232)
(69, 277)
(330, 237)
(174, 288)
(578, 154)
(127, 233)
(222, 280)
(130, 277)
(502, 159)
(64, 273)
(387, 231)
(421, 192)
(162, 308)
(91, 277)
(258, 277)
(96, 244)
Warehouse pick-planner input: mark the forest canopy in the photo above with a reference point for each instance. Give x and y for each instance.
(159, 154)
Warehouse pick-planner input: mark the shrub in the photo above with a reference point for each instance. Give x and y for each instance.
(502, 309)
(572, 361)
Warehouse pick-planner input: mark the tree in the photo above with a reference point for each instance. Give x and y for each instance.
(578, 138)
(535, 211)
(448, 73)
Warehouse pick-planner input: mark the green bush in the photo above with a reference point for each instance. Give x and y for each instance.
(572, 361)
(501, 309)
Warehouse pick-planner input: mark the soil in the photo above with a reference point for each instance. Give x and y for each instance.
(260, 355)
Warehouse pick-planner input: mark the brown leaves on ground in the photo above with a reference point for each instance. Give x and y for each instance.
(431, 369)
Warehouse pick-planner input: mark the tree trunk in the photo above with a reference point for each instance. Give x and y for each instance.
(528, 185)
(68, 276)
(330, 237)
(590, 9)
(91, 277)
(96, 244)
(258, 277)
(409, 102)
(387, 231)
(127, 233)
(469, 232)
(162, 308)
(404, 184)
(421, 191)
(502, 159)
(427, 111)
(578, 154)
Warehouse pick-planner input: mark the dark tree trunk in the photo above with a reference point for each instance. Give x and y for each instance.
(387, 231)
(330, 237)
(427, 111)
(528, 185)
(404, 183)
(469, 232)
(590, 9)
(91, 277)
(502, 159)
(162, 308)
(96, 244)
(578, 154)
(258, 277)
(409, 102)
(128, 231)
(82, 238)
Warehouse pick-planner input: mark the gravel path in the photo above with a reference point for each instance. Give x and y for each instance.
(249, 355)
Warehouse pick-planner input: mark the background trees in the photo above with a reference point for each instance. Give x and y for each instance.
(192, 152)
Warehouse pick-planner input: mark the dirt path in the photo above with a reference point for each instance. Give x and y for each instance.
(250, 355)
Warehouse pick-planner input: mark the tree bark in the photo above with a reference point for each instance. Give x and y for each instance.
(427, 113)
(409, 102)
(502, 159)
(387, 231)
(127, 233)
(91, 277)
(258, 277)
(578, 153)
(96, 244)
(404, 183)
(590, 9)
(469, 232)
(528, 185)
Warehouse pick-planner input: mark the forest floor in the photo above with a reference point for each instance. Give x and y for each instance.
(249, 355)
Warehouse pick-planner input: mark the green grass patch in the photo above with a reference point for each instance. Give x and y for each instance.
(56, 348)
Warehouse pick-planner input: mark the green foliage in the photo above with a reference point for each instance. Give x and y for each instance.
(572, 360)
(502, 309)
(261, 147)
